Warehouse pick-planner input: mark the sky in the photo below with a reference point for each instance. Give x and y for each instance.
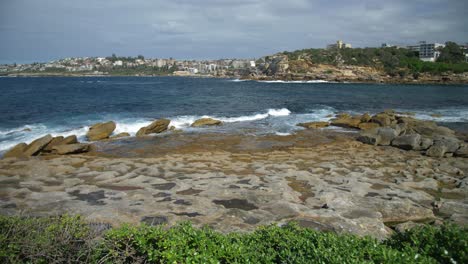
(43, 30)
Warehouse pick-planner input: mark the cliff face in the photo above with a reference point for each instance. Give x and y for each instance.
(280, 67)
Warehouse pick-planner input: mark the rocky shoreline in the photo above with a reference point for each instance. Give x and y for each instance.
(349, 74)
(323, 179)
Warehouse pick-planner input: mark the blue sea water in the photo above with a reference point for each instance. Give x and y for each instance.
(69, 105)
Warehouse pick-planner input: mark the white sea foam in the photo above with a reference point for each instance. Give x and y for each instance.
(281, 81)
(130, 126)
(279, 112)
(279, 121)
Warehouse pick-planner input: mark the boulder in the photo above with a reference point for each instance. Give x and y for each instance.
(69, 140)
(386, 135)
(462, 151)
(451, 144)
(368, 126)
(365, 118)
(369, 137)
(101, 131)
(384, 119)
(37, 145)
(382, 136)
(157, 126)
(314, 124)
(120, 135)
(425, 128)
(70, 149)
(206, 122)
(17, 151)
(400, 128)
(425, 143)
(54, 142)
(436, 151)
(407, 142)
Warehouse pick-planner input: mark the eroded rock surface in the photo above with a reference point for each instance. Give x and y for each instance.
(340, 185)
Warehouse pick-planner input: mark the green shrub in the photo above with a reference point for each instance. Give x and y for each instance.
(68, 239)
(447, 244)
(44, 240)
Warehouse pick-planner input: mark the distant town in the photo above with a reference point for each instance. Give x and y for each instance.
(117, 65)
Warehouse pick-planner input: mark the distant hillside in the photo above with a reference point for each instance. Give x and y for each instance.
(365, 64)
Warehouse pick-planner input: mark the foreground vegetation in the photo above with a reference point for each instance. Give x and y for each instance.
(69, 239)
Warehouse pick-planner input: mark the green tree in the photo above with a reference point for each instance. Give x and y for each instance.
(451, 53)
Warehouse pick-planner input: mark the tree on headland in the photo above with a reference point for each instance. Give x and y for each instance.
(451, 53)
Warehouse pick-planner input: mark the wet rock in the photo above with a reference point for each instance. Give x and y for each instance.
(314, 125)
(70, 149)
(154, 220)
(37, 145)
(101, 131)
(407, 142)
(120, 135)
(206, 122)
(92, 198)
(156, 127)
(17, 151)
(369, 137)
(236, 203)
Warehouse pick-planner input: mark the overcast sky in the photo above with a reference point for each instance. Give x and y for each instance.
(41, 30)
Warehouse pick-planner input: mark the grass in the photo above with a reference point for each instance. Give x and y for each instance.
(68, 239)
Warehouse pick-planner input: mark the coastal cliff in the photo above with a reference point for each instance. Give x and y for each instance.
(282, 66)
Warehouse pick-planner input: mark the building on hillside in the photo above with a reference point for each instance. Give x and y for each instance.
(161, 63)
(118, 63)
(339, 45)
(427, 51)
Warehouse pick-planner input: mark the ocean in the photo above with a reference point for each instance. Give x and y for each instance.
(33, 107)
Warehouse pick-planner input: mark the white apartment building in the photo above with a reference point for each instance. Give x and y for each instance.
(427, 51)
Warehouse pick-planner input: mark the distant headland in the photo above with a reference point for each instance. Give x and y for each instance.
(339, 62)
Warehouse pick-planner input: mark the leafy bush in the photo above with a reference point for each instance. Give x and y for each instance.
(63, 239)
(68, 239)
(447, 244)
